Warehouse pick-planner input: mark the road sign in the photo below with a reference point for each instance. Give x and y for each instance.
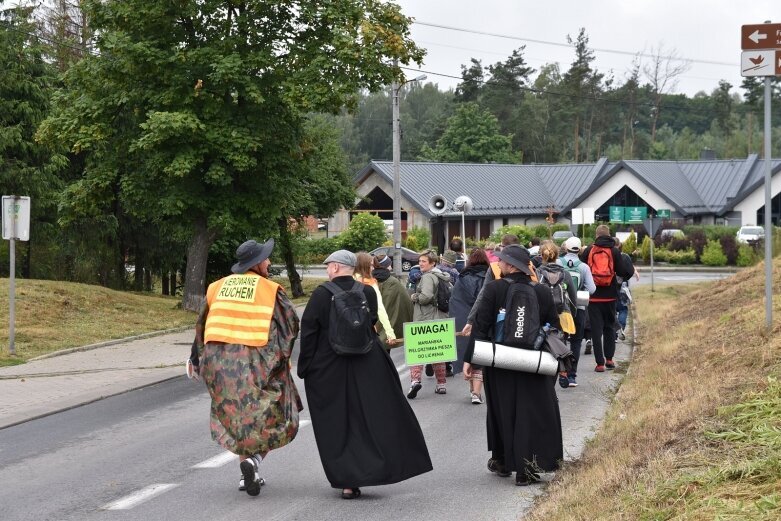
(582, 216)
(663, 212)
(617, 214)
(760, 63)
(16, 218)
(760, 36)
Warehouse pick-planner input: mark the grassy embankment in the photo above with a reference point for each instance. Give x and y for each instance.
(695, 429)
(54, 315)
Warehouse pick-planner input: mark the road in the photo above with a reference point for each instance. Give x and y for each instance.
(678, 277)
(147, 455)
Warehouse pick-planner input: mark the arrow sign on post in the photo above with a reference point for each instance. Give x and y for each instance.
(760, 36)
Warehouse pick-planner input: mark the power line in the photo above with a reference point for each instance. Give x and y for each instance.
(559, 44)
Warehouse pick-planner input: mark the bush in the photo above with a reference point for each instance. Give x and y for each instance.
(661, 255)
(314, 251)
(366, 232)
(645, 249)
(729, 245)
(746, 256)
(682, 257)
(713, 255)
(417, 238)
(698, 240)
(524, 234)
(630, 244)
(678, 243)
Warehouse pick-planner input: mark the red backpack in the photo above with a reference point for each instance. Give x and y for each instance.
(600, 260)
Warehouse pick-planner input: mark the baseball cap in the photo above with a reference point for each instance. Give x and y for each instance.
(572, 245)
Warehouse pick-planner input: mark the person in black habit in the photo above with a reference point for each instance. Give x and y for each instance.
(366, 431)
(523, 422)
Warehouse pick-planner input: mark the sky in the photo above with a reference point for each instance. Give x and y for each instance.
(704, 30)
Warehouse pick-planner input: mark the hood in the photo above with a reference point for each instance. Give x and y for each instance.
(605, 241)
(381, 274)
(440, 274)
(479, 269)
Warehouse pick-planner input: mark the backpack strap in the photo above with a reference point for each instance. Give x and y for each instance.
(334, 288)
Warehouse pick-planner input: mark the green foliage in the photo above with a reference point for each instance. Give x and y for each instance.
(418, 238)
(314, 251)
(366, 232)
(630, 244)
(472, 135)
(713, 255)
(746, 256)
(524, 233)
(645, 249)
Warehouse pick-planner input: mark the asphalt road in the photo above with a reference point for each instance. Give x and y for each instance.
(147, 455)
(677, 277)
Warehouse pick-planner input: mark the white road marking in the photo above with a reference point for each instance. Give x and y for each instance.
(304, 423)
(217, 461)
(139, 496)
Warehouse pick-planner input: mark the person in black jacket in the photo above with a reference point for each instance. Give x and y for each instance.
(602, 303)
(523, 423)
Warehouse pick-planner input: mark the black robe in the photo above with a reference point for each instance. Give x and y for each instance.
(524, 426)
(366, 431)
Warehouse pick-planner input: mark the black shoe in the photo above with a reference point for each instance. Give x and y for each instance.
(448, 369)
(497, 467)
(563, 381)
(355, 494)
(588, 348)
(251, 479)
(429, 370)
(523, 479)
(413, 390)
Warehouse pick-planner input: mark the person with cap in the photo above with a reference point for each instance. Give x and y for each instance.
(243, 342)
(366, 432)
(523, 423)
(582, 279)
(394, 296)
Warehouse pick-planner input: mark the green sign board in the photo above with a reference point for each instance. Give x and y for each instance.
(636, 214)
(617, 214)
(663, 212)
(430, 342)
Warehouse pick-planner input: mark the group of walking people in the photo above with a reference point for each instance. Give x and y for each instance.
(367, 434)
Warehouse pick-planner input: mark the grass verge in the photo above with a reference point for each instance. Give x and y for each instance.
(695, 429)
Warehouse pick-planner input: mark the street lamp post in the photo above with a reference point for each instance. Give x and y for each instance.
(395, 88)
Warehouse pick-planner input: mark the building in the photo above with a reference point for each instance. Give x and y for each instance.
(726, 191)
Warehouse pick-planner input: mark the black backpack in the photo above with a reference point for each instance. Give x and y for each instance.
(522, 315)
(552, 276)
(349, 324)
(444, 289)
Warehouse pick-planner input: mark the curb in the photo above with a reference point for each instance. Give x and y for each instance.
(87, 402)
(107, 343)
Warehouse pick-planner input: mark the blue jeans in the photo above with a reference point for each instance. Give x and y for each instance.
(623, 311)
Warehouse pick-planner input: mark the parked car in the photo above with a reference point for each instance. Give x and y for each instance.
(750, 234)
(408, 257)
(561, 236)
(671, 232)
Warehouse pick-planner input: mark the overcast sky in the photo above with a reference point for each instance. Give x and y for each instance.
(706, 30)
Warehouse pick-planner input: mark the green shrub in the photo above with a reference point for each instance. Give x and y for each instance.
(682, 257)
(524, 233)
(661, 255)
(645, 249)
(366, 232)
(713, 255)
(746, 256)
(630, 244)
(417, 238)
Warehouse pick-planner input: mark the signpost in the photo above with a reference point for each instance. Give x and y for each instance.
(617, 214)
(430, 341)
(635, 214)
(16, 226)
(761, 45)
(664, 213)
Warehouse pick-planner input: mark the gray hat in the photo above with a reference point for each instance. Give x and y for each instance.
(342, 257)
(516, 256)
(251, 253)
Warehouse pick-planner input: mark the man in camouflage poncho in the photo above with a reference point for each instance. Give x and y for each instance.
(243, 341)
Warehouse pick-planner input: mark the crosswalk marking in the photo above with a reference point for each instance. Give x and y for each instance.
(139, 496)
(217, 461)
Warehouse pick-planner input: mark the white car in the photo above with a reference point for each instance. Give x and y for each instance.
(750, 234)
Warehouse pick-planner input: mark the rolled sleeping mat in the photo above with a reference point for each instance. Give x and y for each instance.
(514, 359)
(582, 299)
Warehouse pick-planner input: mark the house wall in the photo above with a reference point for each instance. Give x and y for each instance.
(615, 183)
(749, 206)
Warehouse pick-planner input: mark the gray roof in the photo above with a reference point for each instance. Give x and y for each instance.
(692, 187)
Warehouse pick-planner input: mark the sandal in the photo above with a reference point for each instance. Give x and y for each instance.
(354, 493)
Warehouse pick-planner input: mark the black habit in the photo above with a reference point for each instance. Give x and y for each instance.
(366, 431)
(524, 426)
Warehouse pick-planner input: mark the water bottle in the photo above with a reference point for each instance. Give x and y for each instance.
(499, 327)
(541, 336)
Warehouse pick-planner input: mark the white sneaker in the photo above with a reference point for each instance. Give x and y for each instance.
(477, 399)
(621, 335)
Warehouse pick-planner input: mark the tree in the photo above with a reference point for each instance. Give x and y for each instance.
(27, 168)
(191, 111)
(662, 74)
(64, 27)
(472, 136)
(472, 81)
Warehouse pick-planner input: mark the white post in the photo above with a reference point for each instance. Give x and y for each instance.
(463, 229)
(395, 87)
(768, 216)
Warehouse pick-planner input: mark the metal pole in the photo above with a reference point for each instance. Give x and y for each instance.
(12, 282)
(395, 87)
(652, 253)
(768, 216)
(463, 229)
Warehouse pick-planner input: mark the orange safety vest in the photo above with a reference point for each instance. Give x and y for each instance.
(498, 272)
(240, 309)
